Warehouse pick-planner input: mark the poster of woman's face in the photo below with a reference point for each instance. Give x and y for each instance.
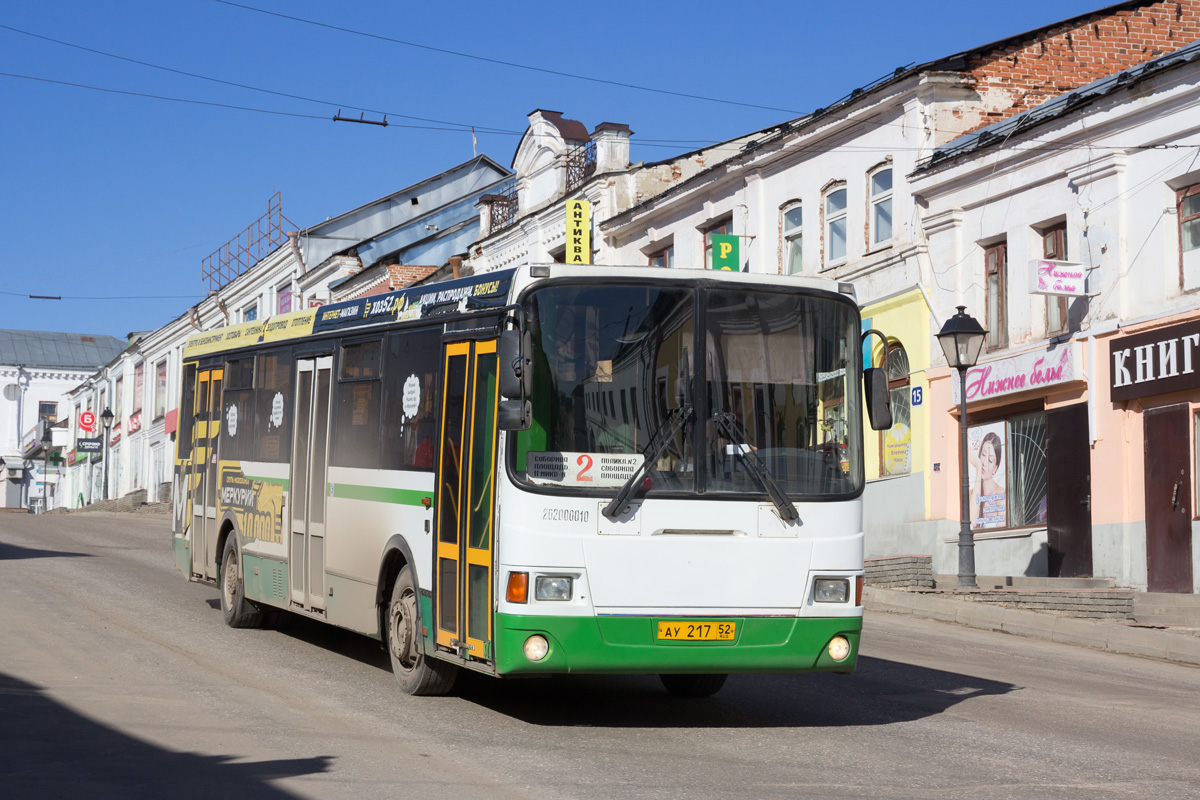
(985, 448)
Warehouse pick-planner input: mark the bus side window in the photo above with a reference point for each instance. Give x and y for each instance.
(237, 410)
(411, 399)
(187, 410)
(356, 428)
(273, 405)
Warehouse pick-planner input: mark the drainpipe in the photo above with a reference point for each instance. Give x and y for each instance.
(456, 266)
(293, 236)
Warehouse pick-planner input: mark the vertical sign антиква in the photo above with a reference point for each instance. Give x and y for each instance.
(579, 229)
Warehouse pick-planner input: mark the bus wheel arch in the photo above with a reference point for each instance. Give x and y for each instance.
(237, 610)
(396, 555)
(417, 672)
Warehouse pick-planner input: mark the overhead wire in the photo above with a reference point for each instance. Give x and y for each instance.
(501, 62)
(198, 76)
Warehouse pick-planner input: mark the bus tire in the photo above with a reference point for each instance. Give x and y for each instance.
(239, 612)
(416, 672)
(693, 685)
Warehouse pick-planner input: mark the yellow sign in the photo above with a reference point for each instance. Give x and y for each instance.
(897, 450)
(579, 232)
(276, 328)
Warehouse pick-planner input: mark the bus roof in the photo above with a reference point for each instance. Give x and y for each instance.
(478, 292)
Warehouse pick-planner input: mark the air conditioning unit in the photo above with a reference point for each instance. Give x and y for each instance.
(14, 473)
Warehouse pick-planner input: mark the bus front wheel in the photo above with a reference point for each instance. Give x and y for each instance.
(693, 685)
(239, 612)
(417, 673)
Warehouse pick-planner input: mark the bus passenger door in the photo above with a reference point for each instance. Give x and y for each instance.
(466, 497)
(310, 451)
(204, 469)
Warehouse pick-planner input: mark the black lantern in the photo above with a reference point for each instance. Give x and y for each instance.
(961, 339)
(106, 418)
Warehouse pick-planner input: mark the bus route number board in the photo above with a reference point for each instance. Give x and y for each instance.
(696, 631)
(586, 470)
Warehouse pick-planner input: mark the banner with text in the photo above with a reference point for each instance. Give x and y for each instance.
(579, 232)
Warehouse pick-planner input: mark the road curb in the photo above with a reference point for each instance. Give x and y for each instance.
(1111, 636)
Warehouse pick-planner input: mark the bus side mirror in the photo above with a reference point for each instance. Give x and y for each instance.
(514, 356)
(879, 399)
(513, 415)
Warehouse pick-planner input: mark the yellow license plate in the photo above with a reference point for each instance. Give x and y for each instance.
(696, 631)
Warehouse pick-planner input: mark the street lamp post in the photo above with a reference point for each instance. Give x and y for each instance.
(107, 418)
(961, 339)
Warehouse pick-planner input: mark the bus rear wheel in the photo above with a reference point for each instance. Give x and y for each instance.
(239, 612)
(693, 685)
(417, 673)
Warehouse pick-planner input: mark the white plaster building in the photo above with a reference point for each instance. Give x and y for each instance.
(1093, 398)
(37, 371)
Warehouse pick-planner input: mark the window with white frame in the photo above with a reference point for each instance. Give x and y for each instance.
(663, 258)
(1054, 248)
(1188, 213)
(725, 226)
(881, 205)
(835, 225)
(995, 260)
(119, 399)
(283, 299)
(139, 386)
(793, 239)
(160, 389)
(250, 313)
(895, 444)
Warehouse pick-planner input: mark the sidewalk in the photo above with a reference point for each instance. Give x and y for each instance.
(1168, 642)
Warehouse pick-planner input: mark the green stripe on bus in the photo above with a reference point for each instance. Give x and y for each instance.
(627, 644)
(284, 482)
(378, 494)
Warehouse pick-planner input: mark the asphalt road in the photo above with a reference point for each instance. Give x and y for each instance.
(119, 679)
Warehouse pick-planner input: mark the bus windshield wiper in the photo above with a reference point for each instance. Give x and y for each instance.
(676, 418)
(757, 469)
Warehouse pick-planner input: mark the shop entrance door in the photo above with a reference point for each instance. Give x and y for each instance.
(1069, 489)
(1168, 499)
(466, 498)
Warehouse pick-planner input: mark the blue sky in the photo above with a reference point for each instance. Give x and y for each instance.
(107, 195)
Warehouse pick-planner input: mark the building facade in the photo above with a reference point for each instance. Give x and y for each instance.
(1072, 232)
(37, 372)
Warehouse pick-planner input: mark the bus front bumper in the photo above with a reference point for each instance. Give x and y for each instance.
(629, 645)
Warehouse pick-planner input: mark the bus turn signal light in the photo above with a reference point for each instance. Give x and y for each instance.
(518, 587)
(858, 587)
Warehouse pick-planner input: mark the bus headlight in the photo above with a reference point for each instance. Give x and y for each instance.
(839, 648)
(552, 587)
(536, 647)
(831, 590)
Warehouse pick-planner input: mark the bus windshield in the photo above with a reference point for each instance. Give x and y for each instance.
(700, 380)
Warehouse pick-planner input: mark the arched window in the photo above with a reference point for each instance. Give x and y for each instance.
(881, 205)
(793, 239)
(835, 225)
(895, 444)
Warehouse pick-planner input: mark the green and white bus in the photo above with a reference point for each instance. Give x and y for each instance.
(543, 470)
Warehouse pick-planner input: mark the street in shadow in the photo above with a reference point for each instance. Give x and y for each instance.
(48, 750)
(880, 692)
(12, 552)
